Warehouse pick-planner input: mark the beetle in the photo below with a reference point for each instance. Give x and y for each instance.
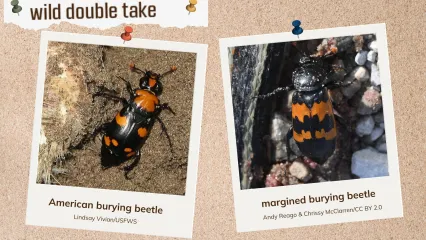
(313, 121)
(126, 133)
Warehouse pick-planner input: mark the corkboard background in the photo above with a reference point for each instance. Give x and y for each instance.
(214, 218)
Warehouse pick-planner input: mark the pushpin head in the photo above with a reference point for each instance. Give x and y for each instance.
(296, 23)
(191, 7)
(126, 36)
(297, 30)
(16, 8)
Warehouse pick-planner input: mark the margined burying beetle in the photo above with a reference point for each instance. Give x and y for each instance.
(125, 135)
(313, 121)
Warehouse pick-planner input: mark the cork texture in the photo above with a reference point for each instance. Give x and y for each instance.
(214, 208)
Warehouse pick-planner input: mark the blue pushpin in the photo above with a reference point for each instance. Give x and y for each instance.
(297, 30)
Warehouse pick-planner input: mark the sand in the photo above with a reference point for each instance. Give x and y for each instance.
(74, 71)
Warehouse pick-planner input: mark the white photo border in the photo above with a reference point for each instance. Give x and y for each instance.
(246, 202)
(178, 211)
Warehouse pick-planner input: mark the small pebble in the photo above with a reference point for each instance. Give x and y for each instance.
(279, 127)
(344, 43)
(361, 57)
(292, 180)
(371, 102)
(355, 145)
(272, 181)
(381, 147)
(368, 163)
(361, 74)
(294, 148)
(382, 139)
(280, 151)
(371, 56)
(375, 134)
(359, 42)
(350, 90)
(379, 118)
(364, 126)
(300, 171)
(375, 75)
(373, 46)
(368, 64)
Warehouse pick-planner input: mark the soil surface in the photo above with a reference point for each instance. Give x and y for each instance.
(74, 72)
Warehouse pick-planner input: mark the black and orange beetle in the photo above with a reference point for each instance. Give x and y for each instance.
(125, 135)
(313, 121)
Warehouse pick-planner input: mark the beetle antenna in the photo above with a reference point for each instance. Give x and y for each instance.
(172, 69)
(133, 68)
(275, 92)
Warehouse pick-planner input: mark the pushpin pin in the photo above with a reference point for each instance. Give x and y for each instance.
(126, 35)
(16, 8)
(297, 30)
(191, 6)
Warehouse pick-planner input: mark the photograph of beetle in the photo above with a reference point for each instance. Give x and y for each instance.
(116, 118)
(308, 111)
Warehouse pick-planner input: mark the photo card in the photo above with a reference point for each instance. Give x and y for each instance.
(116, 134)
(311, 128)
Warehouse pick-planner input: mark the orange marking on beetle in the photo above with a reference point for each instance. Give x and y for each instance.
(321, 109)
(130, 154)
(146, 100)
(107, 140)
(142, 132)
(114, 142)
(300, 137)
(121, 120)
(128, 150)
(327, 135)
(300, 111)
(152, 82)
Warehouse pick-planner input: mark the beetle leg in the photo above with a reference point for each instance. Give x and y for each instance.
(128, 86)
(164, 129)
(165, 106)
(99, 129)
(287, 143)
(342, 122)
(129, 168)
(273, 93)
(109, 96)
(334, 85)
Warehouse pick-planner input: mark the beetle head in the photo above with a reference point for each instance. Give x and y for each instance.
(309, 76)
(151, 81)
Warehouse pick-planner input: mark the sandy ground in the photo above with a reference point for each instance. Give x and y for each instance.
(74, 71)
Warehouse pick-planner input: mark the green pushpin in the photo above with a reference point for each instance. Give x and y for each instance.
(16, 8)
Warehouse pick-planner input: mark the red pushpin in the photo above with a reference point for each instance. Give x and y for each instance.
(126, 36)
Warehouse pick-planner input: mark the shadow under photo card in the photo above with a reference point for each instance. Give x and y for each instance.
(311, 127)
(116, 134)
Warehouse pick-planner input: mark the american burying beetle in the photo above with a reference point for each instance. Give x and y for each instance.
(125, 135)
(313, 121)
